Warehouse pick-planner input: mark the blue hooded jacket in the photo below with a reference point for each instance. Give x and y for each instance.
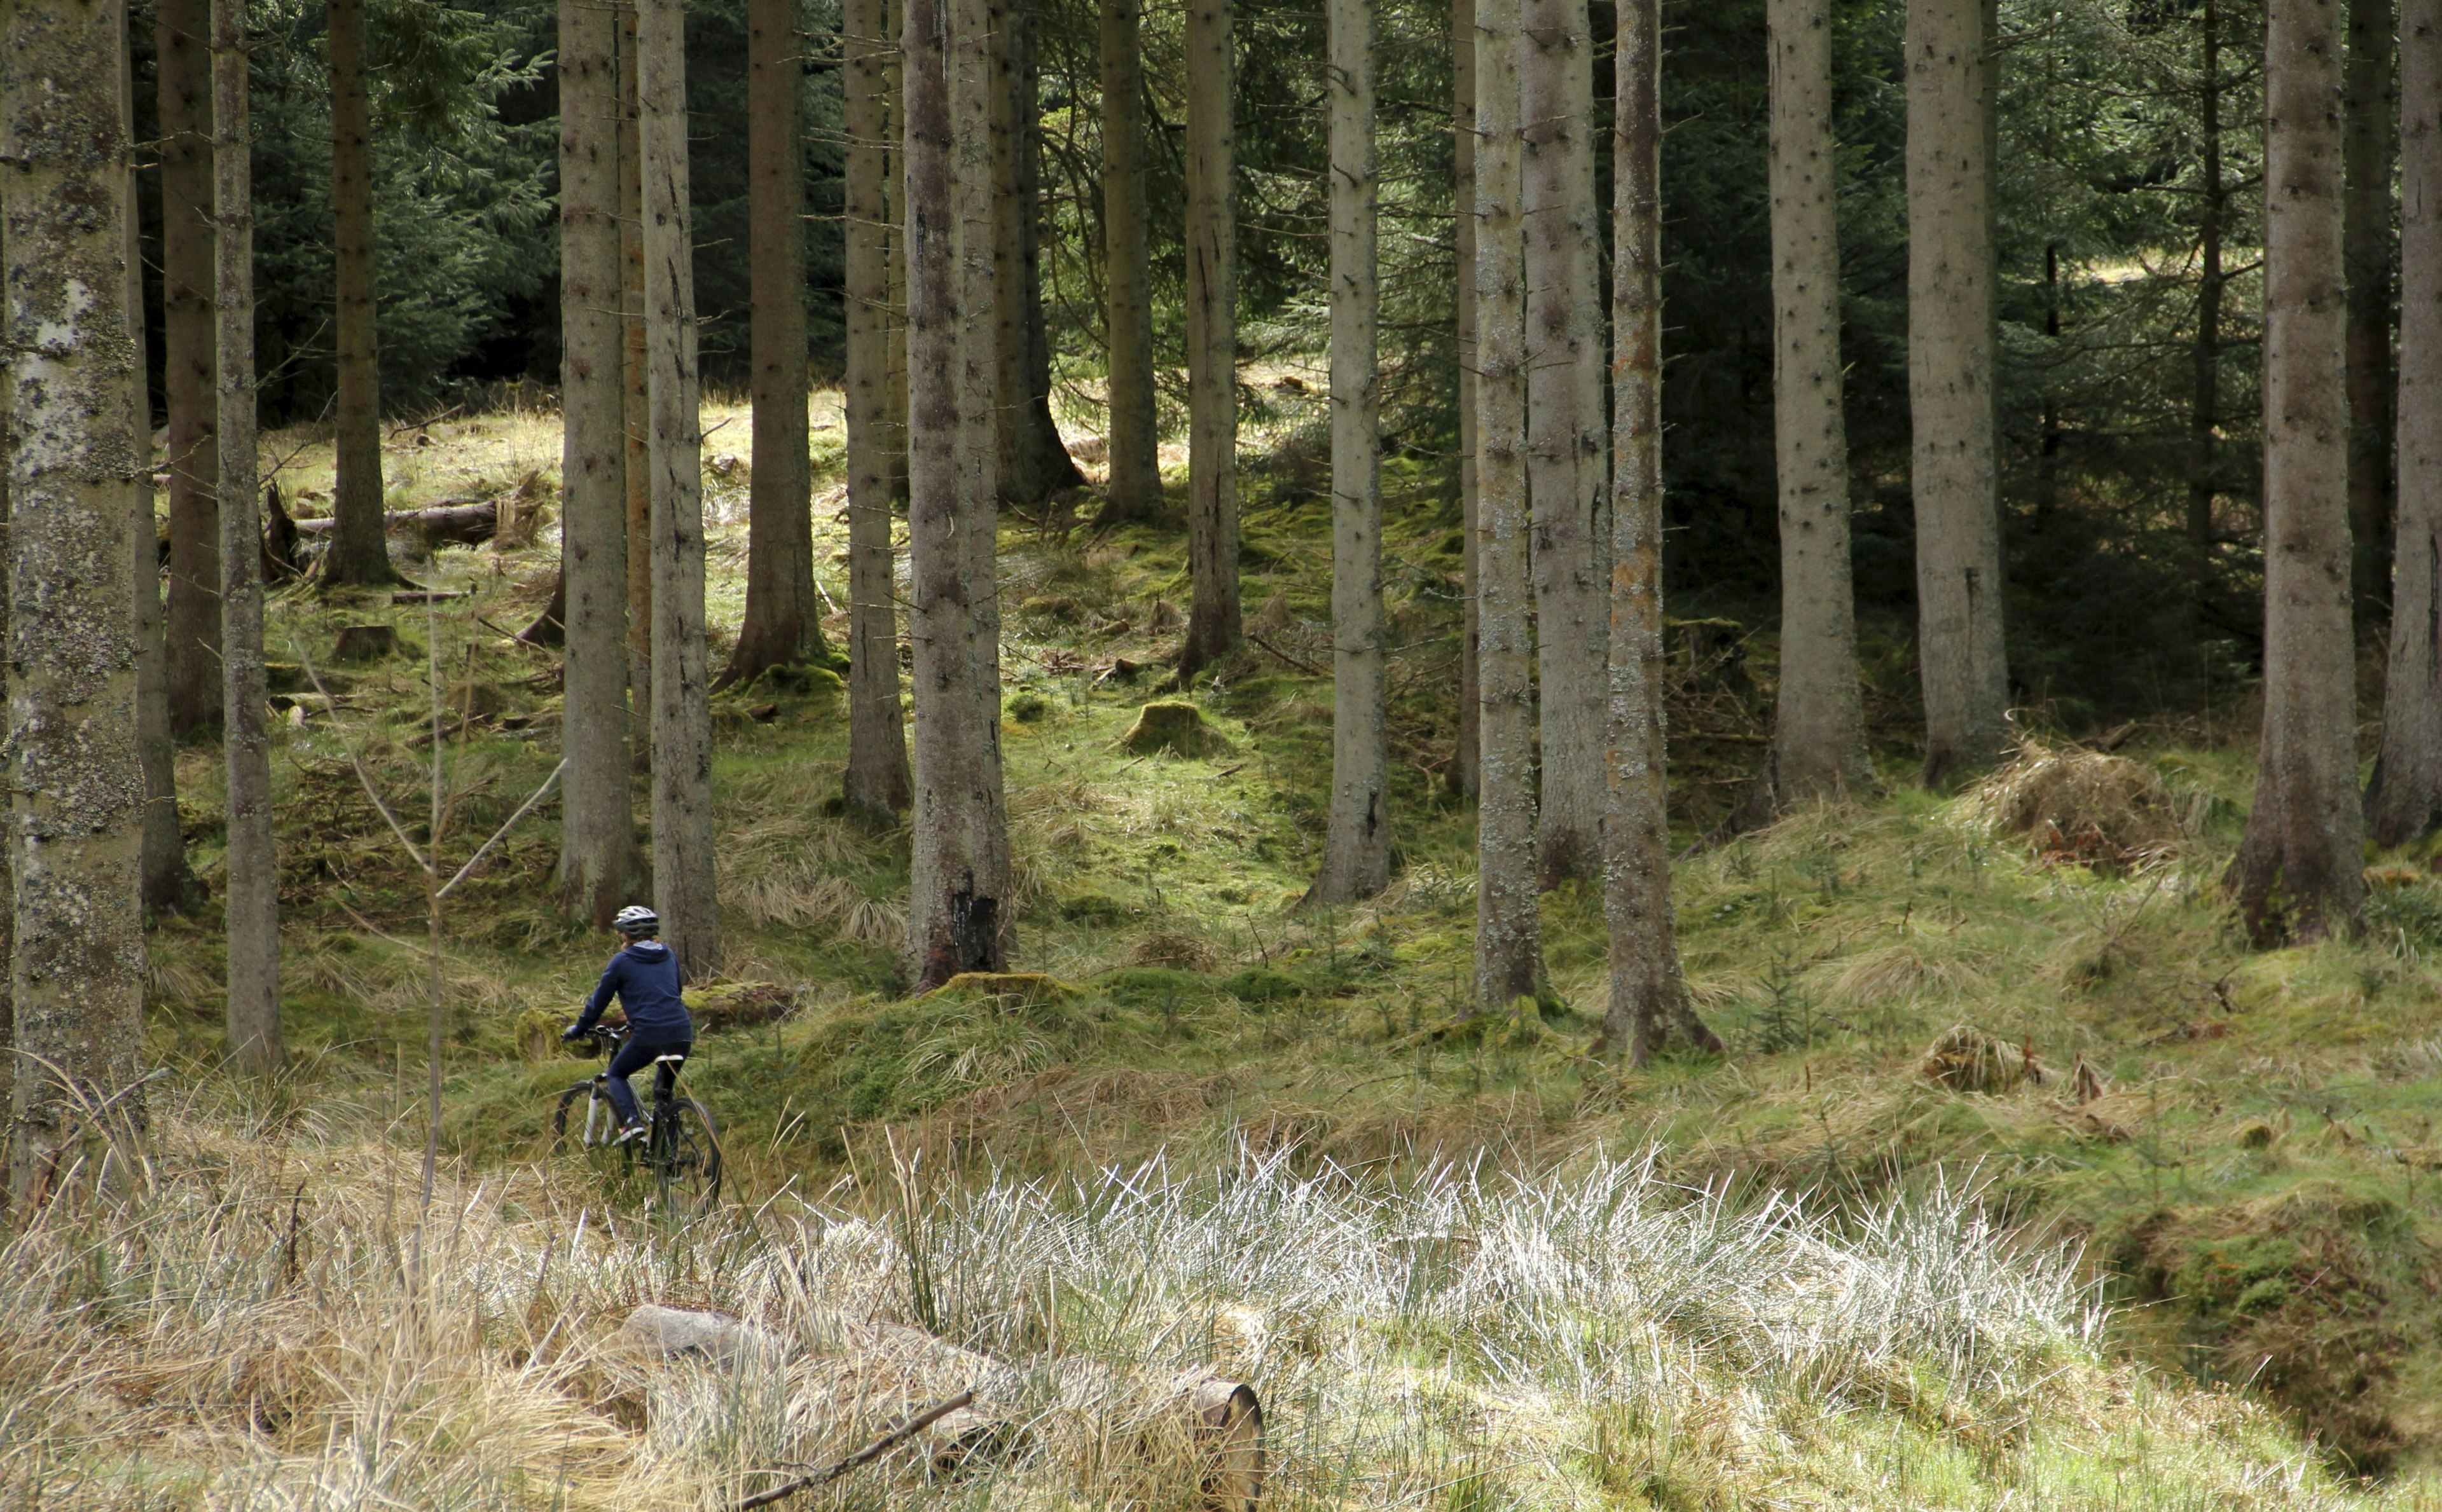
(645, 979)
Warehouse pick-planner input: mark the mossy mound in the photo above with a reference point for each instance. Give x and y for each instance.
(1172, 725)
(1969, 1060)
(1262, 984)
(1027, 987)
(735, 1005)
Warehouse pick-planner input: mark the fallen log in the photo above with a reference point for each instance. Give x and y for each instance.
(452, 522)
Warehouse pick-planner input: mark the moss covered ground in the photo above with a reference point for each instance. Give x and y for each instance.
(2241, 1142)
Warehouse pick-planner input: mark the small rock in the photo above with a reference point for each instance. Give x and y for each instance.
(1969, 1060)
(686, 1333)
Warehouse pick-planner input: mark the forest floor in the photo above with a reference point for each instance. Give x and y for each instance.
(1921, 999)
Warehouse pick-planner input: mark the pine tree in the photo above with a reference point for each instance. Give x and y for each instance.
(359, 550)
(599, 865)
(876, 780)
(1648, 1012)
(783, 620)
(166, 883)
(1951, 333)
(194, 626)
(1462, 778)
(252, 864)
(2297, 874)
(1564, 432)
(1818, 744)
(2404, 802)
(684, 891)
(2370, 124)
(1508, 932)
(959, 915)
(77, 968)
(1034, 462)
(1213, 630)
(1135, 489)
(1357, 840)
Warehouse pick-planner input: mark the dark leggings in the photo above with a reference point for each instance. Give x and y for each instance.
(632, 1058)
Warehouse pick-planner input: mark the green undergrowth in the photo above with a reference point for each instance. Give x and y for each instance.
(2242, 1144)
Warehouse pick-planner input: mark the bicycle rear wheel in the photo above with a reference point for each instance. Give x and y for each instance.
(687, 1156)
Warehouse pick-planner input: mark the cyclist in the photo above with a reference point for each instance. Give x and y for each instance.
(644, 975)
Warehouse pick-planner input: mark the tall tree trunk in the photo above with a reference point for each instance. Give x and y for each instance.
(1357, 843)
(1053, 470)
(253, 862)
(2297, 872)
(895, 187)
(1564, 432)
(1463, 754)
(1959, 646)
(77, 970)
(783, 622)
(876, 780)
(360, 551)
(2213, 202)
(2370, 124)
(193, 635)
(634, 370)
(684, 891)
(2405, 801)
(1034, 462)
(598, 861)
(959, 914)
(1818, 744)
(1212, 622)
(167, 884)
(1135, 491)
(1648, 1012)
(1508, 932)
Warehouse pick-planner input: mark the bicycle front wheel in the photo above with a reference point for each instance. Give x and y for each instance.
(582, 1120)
(687, 1156)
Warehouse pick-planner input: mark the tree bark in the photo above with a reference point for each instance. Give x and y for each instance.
(1564, 431)
(636, 373)
(2297, 872)
(1356, 842)
(599, 860)
(783, 620)
(958, 915)
(253, 864)
(1648, 1012)
(168, 884)
(683, 892)
(2213, 202)
(1960, 645)
(75, 777)
(876, 781)
(1212, 617)
(359, 553)
(180, 33)
(2370, 123)
(1134, 489)
(1508, 932)
(2404, 802)
(1462, 767)
(1818, 745)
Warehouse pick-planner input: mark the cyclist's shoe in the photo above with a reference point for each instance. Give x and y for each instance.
(632, 1132)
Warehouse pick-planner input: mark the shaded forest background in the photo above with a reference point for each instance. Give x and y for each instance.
(2119, 608)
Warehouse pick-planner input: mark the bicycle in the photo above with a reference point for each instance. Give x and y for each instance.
(680, 1150)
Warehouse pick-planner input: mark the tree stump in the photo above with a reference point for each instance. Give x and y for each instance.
(1175, 726)
(365, 643)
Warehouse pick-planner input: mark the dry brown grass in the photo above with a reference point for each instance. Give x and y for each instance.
(2079, 806)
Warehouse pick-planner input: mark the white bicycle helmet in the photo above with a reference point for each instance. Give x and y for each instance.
(636, 920)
